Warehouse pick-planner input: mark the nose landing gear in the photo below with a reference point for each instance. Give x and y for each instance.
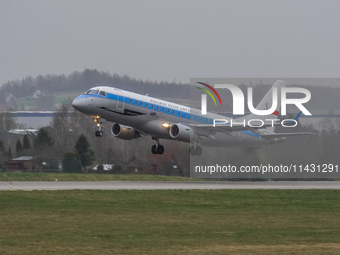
(99, 132)
(157, 148)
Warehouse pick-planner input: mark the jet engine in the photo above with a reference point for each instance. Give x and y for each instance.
(181, 132)
(124, 132)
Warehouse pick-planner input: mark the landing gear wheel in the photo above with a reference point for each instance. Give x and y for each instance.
(99, 133)
(154, 149)
(160, 149)
(198, 150)
(195, 151)
(192, 151)
(157, 148)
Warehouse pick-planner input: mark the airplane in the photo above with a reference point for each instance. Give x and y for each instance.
(134, 115)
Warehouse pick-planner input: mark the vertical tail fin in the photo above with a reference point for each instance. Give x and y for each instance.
(266, 103)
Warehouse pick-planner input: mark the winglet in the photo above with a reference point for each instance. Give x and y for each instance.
(296, 118)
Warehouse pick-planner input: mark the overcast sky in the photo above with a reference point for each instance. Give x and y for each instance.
(170, 40)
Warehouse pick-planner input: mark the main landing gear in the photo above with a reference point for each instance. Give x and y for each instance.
(99, 132)
(157, 148)
(195, 150)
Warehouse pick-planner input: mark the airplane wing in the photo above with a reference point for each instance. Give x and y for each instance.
(230, 128)
(277, 135)
(208, 130)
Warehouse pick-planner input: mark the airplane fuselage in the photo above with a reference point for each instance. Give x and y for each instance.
(152, 116)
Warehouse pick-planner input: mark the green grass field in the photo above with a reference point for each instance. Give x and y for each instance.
(11, 176)
(170, 222)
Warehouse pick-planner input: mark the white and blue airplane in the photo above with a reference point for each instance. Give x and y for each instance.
(134, 115)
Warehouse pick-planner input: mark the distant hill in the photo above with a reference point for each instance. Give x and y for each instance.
(46, 92)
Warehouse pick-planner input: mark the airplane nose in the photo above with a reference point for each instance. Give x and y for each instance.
(77, 104)
(82, 104)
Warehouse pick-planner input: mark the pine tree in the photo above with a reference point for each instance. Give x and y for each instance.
(83, 151)
(26, 143)
(43, 139)
(9, 153)
(18, 147)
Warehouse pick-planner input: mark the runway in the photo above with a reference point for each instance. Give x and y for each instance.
(128, 185)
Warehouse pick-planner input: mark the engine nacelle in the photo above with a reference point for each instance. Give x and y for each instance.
(181, 132)
(124, 132)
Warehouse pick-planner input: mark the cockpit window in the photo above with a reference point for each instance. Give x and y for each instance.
(102, 93)
(92, 92)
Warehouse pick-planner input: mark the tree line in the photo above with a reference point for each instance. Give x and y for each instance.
(68, 144)
(69, 141)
